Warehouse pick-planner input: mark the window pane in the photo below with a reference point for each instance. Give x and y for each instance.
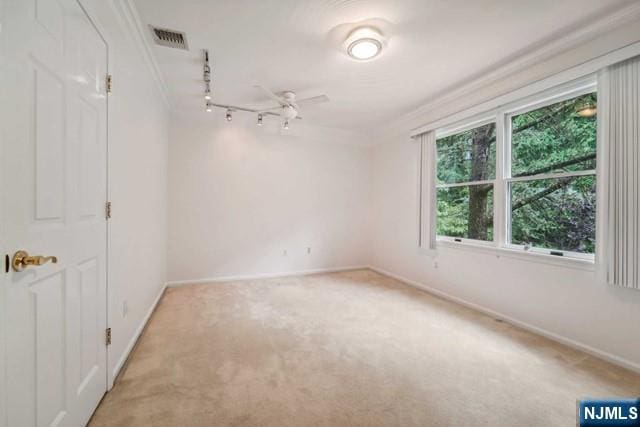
(467, 156)
(466, 212)
(555, 213)
(557, 138)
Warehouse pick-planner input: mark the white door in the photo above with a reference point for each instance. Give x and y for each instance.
(53, 152)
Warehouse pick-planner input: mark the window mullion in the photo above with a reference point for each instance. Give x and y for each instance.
(552, 175)
(499, 191)
(506, 190)
(465, 184)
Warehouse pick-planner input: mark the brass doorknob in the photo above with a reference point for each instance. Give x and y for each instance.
(22, 260)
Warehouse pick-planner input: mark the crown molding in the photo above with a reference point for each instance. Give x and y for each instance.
(541, 51)
(129, 19)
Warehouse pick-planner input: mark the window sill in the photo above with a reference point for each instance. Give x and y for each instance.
(568, 262)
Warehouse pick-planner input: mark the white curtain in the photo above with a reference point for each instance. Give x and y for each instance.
(426, 199)
(621, 121)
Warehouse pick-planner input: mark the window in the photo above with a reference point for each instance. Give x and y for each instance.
(466, 170)
(553, 176)
(524, 179)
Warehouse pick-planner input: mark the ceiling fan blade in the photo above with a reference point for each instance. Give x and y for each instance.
(271, 95)
(312, 101)
(266, 110)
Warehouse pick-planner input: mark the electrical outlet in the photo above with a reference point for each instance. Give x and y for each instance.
(308, 250)
(125, 309)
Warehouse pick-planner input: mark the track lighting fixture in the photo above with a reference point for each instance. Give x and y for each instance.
(288, 107)
(230, 109)
(206, 76)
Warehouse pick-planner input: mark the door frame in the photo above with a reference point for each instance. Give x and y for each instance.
(107, 196)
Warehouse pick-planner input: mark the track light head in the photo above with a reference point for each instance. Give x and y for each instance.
(286, 124)
(259, 119)
(206, 70)
(208, 107)
(229, 116)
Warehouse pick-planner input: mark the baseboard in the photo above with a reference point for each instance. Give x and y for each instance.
(616, 360)
(219, 279)
(134, 339)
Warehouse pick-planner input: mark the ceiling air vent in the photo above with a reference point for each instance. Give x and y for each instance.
(169, 38)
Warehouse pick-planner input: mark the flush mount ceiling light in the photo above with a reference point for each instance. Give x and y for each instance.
(364, 43)
(364, 49)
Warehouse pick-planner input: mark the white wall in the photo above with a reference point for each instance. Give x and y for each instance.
(571, 304)
(240, 195)
(138, 146)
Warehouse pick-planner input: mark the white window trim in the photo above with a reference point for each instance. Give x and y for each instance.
(537, 177)
(451, 239)
(530, 256)
(465, 184)
(501, 246)
(485, 119)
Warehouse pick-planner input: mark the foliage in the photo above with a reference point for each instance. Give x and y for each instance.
(565, 219)
(453, 212)
(554, 213)
(455, 155)
(553, 135)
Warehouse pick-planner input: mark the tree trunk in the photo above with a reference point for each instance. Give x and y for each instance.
(482, 138)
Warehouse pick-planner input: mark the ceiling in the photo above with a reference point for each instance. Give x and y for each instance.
(433, 45)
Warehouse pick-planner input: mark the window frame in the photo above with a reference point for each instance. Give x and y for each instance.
(445, 132)
(502, 116)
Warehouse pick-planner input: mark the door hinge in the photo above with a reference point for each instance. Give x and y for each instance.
(109, 81)
(107, 336)
(107, 210)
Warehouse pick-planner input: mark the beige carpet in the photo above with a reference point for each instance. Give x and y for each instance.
(354, 348)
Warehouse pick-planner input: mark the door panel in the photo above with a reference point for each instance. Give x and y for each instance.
(89, 180)
(53, 150)
(89, 293)
(48, 309)
(48, 133)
